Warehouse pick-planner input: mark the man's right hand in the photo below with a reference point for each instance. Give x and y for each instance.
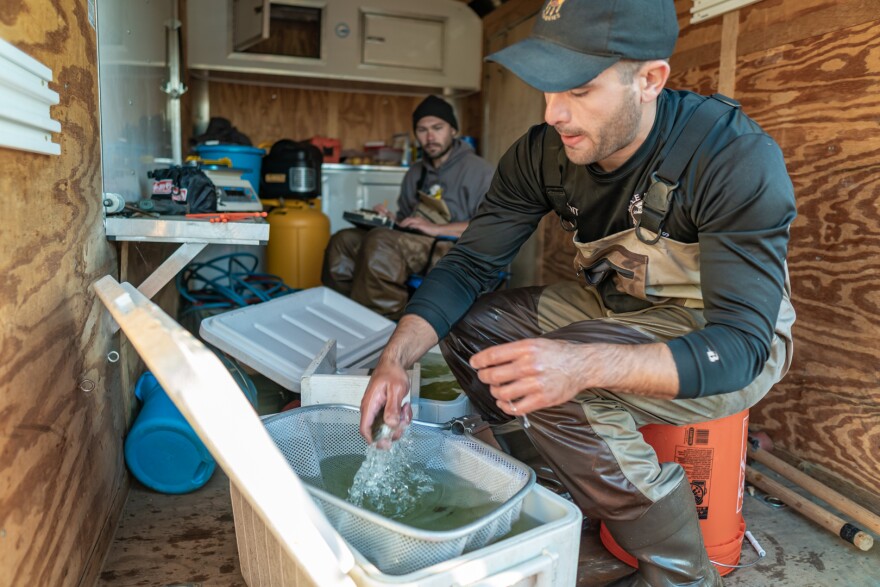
(389, 383)
(388, 386)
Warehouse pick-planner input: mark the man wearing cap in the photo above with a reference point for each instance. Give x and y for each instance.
(439, 195)
(679, 207)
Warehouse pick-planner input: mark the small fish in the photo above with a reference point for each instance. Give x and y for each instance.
(381, 431)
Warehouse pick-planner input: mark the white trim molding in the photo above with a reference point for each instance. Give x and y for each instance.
(25, 98)
(706, 9)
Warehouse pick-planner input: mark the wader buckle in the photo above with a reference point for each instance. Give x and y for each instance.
(654, 208)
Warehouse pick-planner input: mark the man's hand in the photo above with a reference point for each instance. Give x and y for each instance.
(536, 373)
(422, 225)
(530, 374)
(388, 385)
(384, 211)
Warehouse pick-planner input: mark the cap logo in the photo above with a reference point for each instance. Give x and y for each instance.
(551, 11)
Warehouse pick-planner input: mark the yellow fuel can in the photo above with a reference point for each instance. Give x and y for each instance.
(298, 234)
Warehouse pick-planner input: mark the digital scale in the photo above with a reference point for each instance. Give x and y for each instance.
(234, 192)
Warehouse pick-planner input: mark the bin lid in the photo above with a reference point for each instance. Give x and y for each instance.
(234, 148)
(281, 337)
(210, 400)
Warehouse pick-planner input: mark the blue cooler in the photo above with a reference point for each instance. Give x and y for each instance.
(162, 450)
(242, 157)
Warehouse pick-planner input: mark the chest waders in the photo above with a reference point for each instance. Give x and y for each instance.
(592, 443)
(372, 267)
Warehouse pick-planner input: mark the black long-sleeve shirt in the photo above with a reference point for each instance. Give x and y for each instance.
(735, 199)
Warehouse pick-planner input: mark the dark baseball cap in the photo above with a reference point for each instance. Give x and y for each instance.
(573, 41)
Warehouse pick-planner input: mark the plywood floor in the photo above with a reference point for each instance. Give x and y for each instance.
(189, 540)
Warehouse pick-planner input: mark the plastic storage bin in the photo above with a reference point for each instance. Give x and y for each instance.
(440, 397)
(242, 157)
(440, 412)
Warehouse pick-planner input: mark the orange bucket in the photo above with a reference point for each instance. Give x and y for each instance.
(713, 455)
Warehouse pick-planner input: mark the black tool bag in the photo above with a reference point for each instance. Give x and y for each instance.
(183, 190)
(291, 170)
(221, 130)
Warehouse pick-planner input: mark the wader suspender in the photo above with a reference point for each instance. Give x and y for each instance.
(551, 172)
(676, 155)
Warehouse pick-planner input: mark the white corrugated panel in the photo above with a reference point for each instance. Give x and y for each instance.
(25, 98)
(706, 9)
(279, 338)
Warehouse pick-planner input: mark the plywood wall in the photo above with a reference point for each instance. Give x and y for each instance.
(62, 479)
(813, 87)
(807, 71)
(268, 113)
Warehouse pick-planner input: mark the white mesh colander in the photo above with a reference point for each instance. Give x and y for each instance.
(307, 436)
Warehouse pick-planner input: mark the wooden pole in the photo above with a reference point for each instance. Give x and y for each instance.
(818, 514)
(867, 518)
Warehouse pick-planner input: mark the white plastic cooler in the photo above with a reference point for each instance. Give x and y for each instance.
(283, 538)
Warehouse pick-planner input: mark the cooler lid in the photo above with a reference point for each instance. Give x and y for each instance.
(210, 400)
(279, 338)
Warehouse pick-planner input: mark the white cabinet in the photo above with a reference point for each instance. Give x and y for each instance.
(251, 18)
(434, 44)
(347, 187)
(415, 43)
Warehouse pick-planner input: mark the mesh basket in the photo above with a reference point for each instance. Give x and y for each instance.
(307, 436)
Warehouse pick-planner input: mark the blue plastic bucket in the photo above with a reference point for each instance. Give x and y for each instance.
(162, 450)
(242, 157)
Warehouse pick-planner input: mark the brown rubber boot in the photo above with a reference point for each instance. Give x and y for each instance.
(668, 544)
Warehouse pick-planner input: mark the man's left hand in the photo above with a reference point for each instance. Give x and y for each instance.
(537, 373)
(531, 374)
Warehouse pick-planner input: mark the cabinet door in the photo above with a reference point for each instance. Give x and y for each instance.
(401, 41)
(250, 23)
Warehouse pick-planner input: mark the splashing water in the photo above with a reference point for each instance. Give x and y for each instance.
(386, 482)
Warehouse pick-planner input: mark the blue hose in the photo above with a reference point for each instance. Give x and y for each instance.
(235, 284)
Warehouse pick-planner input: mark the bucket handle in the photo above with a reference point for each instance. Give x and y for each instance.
(202, 474)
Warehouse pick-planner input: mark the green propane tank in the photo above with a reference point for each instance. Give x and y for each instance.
(298, 234)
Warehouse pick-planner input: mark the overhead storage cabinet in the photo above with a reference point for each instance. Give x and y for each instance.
(429, 44)
(399, 41)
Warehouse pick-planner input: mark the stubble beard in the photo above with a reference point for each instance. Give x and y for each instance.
(617, 134)
(441, 154)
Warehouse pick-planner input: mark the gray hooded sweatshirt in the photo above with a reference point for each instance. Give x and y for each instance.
(464, 179)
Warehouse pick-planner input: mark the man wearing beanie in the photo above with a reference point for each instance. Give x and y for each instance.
(679, 207)
(439, 196)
